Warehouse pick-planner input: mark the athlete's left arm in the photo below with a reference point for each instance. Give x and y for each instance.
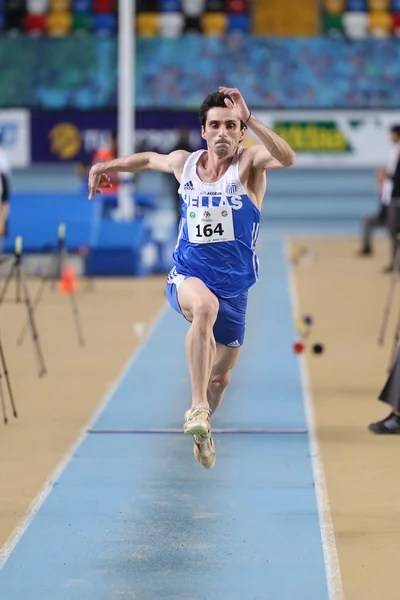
(275, 152)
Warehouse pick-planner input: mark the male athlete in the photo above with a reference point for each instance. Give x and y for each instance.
(221, 190)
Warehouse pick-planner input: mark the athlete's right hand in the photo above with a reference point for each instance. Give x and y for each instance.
(97, 181)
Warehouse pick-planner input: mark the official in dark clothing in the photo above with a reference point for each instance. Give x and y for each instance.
(391, 395)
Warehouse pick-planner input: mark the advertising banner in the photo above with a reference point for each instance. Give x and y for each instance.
(333, 138)
(320, 138)
(74, 136)
(15, 132)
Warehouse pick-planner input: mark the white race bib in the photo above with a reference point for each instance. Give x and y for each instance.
(210, 225)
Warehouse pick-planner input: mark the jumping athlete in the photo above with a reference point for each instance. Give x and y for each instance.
(221, 190)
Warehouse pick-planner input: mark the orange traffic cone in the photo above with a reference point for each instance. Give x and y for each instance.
(68, 283)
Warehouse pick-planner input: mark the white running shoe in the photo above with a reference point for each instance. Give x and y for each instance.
(197, 423)
(204, 450)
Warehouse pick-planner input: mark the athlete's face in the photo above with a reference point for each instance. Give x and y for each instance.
(222, 131)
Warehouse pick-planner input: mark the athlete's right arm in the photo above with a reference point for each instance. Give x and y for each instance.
(140, 162)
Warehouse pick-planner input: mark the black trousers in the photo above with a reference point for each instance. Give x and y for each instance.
(391, 390)
(394, 226)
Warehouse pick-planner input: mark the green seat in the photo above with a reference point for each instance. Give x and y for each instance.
(82, 22)
(333, 25)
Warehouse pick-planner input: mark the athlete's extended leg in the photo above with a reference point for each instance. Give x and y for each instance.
(225, 360)
(200, 306)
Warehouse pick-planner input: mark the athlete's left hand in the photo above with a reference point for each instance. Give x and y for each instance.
(236, 103)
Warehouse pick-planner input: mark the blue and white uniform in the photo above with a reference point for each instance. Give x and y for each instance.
(216, 242)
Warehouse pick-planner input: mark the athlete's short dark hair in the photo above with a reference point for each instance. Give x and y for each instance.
(214, 100)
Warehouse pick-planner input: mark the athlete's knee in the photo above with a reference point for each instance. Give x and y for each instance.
(219, 381)
(205, 309)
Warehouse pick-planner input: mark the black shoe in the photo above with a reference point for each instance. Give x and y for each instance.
(389, 425)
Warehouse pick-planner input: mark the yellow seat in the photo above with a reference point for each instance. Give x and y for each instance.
(379, 5)
(147, 24)
(214, 23)
(59, 23)
(334, 7)
(380, 23)
(60, 6)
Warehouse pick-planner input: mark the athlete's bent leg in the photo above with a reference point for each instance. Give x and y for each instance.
(200, 306)
(225, 360)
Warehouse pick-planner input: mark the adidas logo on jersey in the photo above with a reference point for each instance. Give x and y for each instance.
(188, 186)
(235, 344)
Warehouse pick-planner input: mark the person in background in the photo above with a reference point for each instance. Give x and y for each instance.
(384, 217)
(5, 180)
(390, 394)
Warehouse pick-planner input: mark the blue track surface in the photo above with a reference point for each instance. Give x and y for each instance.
(135, 516)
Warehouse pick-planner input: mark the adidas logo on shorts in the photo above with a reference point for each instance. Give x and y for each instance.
(188, 186)
(234, 344)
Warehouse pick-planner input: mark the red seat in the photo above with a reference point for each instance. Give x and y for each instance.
(396, 24)
(35, 24)
(237, 7)
(104, 6)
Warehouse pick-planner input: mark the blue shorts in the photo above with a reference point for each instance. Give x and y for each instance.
(229, 328)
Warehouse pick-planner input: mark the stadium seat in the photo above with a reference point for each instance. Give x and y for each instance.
(14, 5)
(35, 24)
(193, 25)
(379, 5)
(237, 7)
(355, 24)
(215, 6)
(214, 23)
(333, 25)
(147, 24)
(171, 24)
(380, 23)
(82, 6)
(395, 6)
(58, 24)
(82, 23)
(396, 25)
(193, 8)
(149, 6)
(14, 20)
(1, 21)
(104, 6)
(334, 7)
(61, 6)
(170, 6)
(37, 7)
(239, 23)
(104, 24)
(356, 6)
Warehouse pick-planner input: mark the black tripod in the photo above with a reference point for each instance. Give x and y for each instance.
(8, 383)
(22, 295)
(54, 274)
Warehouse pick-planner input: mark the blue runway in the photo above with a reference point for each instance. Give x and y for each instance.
(133, 515)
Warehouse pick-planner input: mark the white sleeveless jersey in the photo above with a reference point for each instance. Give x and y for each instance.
(218, 230)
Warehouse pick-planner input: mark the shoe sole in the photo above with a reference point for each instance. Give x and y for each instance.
(195, 430)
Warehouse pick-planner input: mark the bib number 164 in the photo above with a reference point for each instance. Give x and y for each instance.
(208, 230)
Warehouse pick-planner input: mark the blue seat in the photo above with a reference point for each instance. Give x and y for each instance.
(356, 5)
(173, 6)
(239, 23)
(104, 24)
(82, 6)
(396, 6)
